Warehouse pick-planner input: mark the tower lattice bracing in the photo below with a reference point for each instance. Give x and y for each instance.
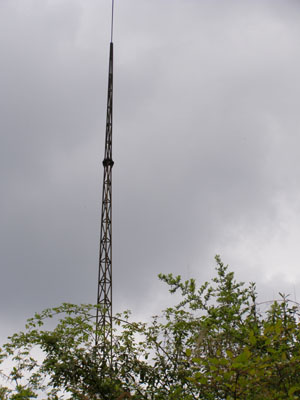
(104, 296)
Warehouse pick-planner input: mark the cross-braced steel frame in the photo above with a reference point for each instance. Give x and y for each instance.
(104, 295)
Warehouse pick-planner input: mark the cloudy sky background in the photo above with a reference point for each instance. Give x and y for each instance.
(206, 147)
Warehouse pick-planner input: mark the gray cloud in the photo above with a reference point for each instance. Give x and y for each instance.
(205, 145)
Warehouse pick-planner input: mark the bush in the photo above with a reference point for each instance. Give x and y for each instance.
(215, 344)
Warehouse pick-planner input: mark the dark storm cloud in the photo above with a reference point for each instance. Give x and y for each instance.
(205, 145)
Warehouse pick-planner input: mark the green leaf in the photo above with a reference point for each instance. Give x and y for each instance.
(188, 352)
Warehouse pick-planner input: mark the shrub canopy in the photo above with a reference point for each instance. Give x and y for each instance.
(214, 345)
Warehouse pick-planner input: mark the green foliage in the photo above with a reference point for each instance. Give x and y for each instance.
(215, 344)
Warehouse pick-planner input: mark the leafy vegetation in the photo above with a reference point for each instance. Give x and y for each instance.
(215, 344)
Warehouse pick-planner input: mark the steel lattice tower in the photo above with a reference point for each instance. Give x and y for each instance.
(104, 295)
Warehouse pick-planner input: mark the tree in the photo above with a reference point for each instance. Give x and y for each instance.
(215, 344)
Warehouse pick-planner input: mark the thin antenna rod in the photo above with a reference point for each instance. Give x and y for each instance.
(112, 20)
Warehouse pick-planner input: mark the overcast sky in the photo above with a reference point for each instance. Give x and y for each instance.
(205, 142)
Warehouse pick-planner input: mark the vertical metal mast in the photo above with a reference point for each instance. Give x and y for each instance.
(104, 295)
